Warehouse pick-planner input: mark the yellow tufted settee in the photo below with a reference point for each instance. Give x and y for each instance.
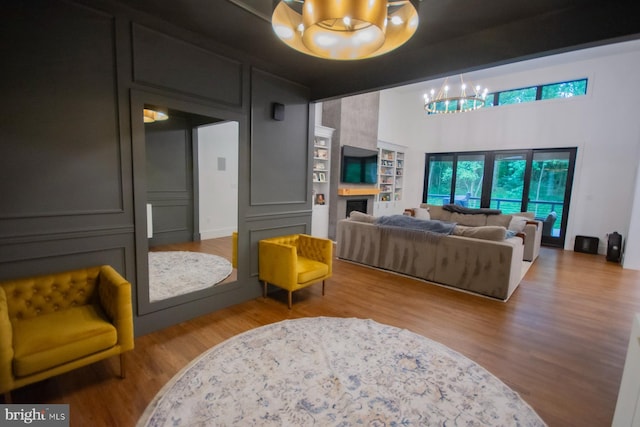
(55, 323)
(295, 261)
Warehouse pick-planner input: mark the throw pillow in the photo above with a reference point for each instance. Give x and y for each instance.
(518, 223)
(421, 213)
(499, 220)
(488, 232)
(361, 217)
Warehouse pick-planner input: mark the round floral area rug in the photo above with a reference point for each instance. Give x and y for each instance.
(173, 273)
(327, 371)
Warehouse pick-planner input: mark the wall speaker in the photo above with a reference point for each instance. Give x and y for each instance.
(277, 111)
(586, 244)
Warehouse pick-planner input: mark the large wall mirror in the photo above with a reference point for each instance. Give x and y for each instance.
(186, 192)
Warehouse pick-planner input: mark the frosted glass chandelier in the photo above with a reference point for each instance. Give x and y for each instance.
(345, 29)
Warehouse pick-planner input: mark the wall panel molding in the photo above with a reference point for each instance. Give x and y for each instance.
(35, 258)
(76, 96)
(201, 73)
(280, 150)
(65, 235)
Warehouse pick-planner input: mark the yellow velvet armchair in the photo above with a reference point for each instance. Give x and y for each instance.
(294, 262)
(55, 323)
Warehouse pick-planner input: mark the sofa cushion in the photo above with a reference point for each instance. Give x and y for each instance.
(309, 270)
(361, 217)
(469, 220)
(436, 212)
(499, 220)
(49, 340)
(487, 232)
(528, 215)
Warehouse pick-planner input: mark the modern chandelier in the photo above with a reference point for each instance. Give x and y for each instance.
(345, 29)
(457, 99)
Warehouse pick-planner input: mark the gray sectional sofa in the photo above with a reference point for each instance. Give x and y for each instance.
(474, 258)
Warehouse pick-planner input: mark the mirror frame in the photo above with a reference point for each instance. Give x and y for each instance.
(138, 143)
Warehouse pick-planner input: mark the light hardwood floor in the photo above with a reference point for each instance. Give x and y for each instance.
(560, 341)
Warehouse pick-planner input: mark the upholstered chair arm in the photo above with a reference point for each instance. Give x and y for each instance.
(115, 298)
(278, 263)
(317, 249)
(6, 345)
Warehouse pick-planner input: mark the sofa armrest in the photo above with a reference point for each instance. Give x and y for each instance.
(114, 293)
(317, 249)
(6, 345)
(533, 240)
(277, 263)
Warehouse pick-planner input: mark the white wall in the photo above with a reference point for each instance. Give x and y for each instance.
(604, 125)
(632, 250)
(218, 188)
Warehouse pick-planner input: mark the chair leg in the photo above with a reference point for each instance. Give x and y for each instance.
(7, 398)
(323, 288)
(123, 373)
(290, 299)
(264, 290)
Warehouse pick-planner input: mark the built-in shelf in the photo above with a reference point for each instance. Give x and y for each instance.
(321, 181)
(391, 172)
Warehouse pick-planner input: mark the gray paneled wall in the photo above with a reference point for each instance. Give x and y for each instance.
(170, 180)
(73, 189)
(280, 190)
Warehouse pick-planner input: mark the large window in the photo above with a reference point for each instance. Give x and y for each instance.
(537, 181)
(566, 89)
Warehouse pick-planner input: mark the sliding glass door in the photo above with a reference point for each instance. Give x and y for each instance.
(439, 179)
(469, 179)
(550, 190)
(537, 181)
(507, 185)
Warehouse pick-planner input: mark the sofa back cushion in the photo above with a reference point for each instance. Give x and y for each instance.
(499, 220)
(470, 220)
(31, 297)
(528, 215)
(436, 212)
(488, 232)
(361, 217)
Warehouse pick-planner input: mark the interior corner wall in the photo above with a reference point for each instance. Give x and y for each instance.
(603, 125)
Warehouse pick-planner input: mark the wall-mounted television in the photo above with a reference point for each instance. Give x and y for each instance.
(359, 165)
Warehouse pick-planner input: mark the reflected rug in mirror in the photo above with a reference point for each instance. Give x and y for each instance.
(328, 371)
(173, 273)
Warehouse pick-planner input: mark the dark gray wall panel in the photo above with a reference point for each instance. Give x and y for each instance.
(73, 187)
(25, 259)
(172, 223)
(168, 62)
(279, 149)
(59, 122)
(169, 172)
